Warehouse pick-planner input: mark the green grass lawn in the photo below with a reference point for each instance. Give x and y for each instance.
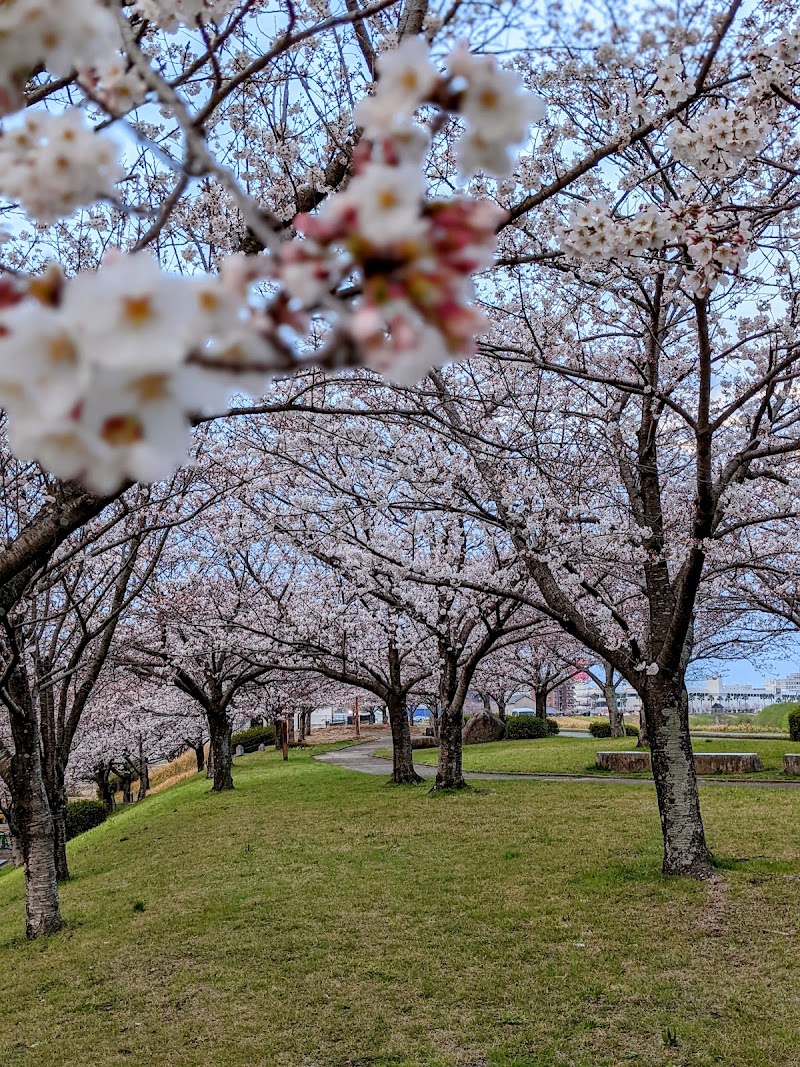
(576, 755)
(318, 918)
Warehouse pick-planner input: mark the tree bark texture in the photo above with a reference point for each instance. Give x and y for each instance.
(199, 754)
(57, 797)
(666, 706)
(221, 754)
(402, 754)
(615, 719)
(33, 822)
(540, 696)
(33, 819)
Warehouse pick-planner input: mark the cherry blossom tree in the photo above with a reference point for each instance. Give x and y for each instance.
(55, 646)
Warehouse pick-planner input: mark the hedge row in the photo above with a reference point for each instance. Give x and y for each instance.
(255, 736)
(527, 727)
(84, 815)
(794, 725)
(602, 728)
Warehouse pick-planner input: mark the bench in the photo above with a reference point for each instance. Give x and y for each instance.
(624, 762)
(704, 762)
(727, 762)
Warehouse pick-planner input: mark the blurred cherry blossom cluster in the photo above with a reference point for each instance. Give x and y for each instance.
(53, 164)
(170, 14)
(414, 257)
(497, 111)
(99, 372)
(59, 37)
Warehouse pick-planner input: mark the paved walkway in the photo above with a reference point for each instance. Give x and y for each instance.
(362, 758)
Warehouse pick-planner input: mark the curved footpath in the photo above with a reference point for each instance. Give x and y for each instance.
(361, 757)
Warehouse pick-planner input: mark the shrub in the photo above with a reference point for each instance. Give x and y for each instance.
(424, 742)
(794, 725)
(82, 815)
(598, 728)
(528, 727)
(255, 736)
(601, 728)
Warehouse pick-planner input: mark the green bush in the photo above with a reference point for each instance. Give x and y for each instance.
(255, 736)
(794, 725)
(602, 728)
(528, 727)
(83, 815)
(424, 742)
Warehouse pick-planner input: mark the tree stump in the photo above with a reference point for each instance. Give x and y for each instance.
(791, 763)
(624, 762)
(727, 762)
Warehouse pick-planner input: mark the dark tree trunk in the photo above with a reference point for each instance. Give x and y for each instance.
(33, 823)
(643, 741)
(13, 839)
(666, 706)
(402, 754)
(57, 798)
(615, 719)
(33, 819)
(199, 754)
(221, 755)
(501, 707)
(101, 777)
(16, 850)
(308, 722)
(449, 773)
(144, 779)
(125, 777)
(434, 710)
(540, 696)
(210, 762)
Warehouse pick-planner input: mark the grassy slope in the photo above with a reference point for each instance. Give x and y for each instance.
(319, 918)
(576, 755)
(775, 716)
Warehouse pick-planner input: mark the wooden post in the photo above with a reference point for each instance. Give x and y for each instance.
(285, 736)
(358, 721)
